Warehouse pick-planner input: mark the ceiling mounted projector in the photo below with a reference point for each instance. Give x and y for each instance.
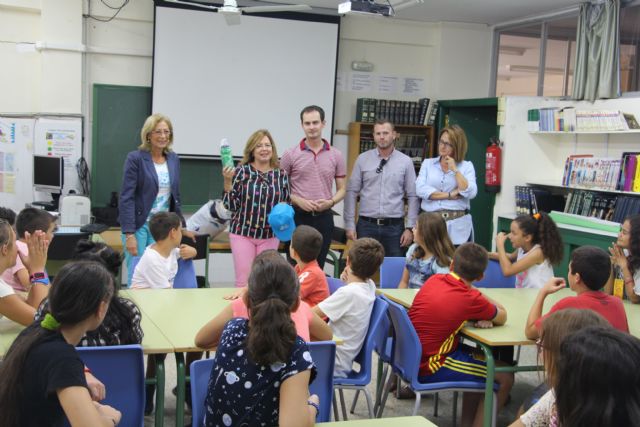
(365, 7)
(231, 11)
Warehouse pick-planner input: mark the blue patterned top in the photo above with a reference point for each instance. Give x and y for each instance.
(242, 393)
(421, 269)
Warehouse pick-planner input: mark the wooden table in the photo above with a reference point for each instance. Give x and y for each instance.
(154, 343)
(383, 422)
(517, 302)
(220, 244)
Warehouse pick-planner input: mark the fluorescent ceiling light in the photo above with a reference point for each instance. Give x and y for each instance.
(512, 50)
(405, 4)
(534, 69)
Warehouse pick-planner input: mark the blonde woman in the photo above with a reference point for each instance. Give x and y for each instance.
(150, 184)
(251, 190)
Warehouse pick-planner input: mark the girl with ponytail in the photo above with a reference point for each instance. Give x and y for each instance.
(42, 377)
(262, 368)
(538, 246)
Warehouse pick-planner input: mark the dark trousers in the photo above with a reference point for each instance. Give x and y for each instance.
(323, 222)
(387, 235)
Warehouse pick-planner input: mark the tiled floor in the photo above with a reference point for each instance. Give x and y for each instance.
(525, 383)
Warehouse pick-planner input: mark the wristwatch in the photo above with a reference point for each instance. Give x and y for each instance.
(39, 277)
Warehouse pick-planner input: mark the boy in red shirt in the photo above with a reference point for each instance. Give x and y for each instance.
(306, 244)
(440, 309)
(589, 271)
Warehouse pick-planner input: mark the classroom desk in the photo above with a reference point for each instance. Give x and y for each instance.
(382, 422)
(220, 244)
(153, 343)
(517, 302)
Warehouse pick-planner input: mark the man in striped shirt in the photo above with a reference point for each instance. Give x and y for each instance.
(313, 165)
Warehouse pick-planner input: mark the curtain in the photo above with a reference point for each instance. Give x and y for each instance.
(597, 70)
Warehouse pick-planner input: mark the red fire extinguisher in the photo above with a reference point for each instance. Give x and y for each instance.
(493, 160)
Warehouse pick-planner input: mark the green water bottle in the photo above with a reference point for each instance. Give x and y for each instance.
(225, 154)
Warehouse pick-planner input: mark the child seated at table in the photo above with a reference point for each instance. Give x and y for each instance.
(349, 308)
(589, 271)
(440, 309)
(15, 306)
(262, 368)
(42, 375)
(29, 220)
(8, 215)
(431, 252)
(158, 266)
(308, 325)
(306, 244)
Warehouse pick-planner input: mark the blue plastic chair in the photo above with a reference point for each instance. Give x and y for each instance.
(199, 373)
(334, 284)
(391, 271)
(134, 263)
(186, 275)
(493, 277)
(358, 380)
(407, 352)
(121, 370)
(323, 354)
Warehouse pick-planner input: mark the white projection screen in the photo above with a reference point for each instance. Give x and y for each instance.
(218, 81)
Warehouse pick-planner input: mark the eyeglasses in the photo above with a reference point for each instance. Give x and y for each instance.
(445, 143)
(381, 165)
(263, 146)
(161, 132)
(539, 345)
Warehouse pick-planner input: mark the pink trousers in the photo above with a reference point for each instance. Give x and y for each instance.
(244, 251)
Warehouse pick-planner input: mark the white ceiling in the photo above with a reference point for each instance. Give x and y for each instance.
(488, 12)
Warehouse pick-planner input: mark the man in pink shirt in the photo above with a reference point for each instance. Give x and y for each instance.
(313, 166)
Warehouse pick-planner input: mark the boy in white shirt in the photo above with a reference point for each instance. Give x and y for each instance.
(349, 308)
(159, 264)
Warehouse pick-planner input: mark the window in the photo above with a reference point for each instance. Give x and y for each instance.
(630, 49)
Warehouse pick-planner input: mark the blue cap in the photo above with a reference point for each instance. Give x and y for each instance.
(281, 221)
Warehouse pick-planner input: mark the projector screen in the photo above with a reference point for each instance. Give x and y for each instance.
(216, 81)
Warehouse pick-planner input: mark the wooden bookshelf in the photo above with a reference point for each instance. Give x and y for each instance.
(415, 141)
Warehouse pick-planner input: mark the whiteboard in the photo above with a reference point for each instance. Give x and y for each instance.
(218, 81)
(20, 139)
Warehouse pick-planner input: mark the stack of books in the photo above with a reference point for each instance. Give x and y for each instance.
(421, 112)
(569, 119)
(603, 173)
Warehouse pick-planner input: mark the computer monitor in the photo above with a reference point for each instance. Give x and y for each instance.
(48, 173)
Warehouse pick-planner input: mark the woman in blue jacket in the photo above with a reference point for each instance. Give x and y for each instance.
(150, 184)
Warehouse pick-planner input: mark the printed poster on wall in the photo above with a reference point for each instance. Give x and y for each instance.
(16, 166)
(61, 138)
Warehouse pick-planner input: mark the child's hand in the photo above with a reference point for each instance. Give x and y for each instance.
(500, 239)
(38, 246)
(96, 388)
(483, 324)
(109, 412)
(617, 256)
(187, 252)
(238, 293)
(190, 234)
(553, 285)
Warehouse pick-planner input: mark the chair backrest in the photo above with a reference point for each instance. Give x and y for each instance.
(186, 275)
(134, 262)
(493, 277)
(63, 245)
(391, 271)
(121, 370)
(323, 354)
(363, 358)
(407, 350)
(381, 335)
(199, 374)
(201, 245)
(334, 284)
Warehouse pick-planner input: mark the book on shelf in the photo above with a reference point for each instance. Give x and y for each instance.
(411, 113)
(569, 119)
(530, 200)
(586, 171)
(432, 113)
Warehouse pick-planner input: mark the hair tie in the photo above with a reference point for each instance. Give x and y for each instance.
(49, 322)
(537, 216)
(273, 295)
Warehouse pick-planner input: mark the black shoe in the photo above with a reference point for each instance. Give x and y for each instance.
(149, 395)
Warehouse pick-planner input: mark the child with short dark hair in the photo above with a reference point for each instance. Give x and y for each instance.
(159, 264)
(440, 309)
(349, 308)
(589, 271)
(306, 244)
(8, 215)
(29, 220)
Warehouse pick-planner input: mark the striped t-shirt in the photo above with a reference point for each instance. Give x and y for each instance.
(252, 196)
(312, 174)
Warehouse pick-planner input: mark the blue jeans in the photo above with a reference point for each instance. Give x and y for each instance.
(387, 235)
(144, 239)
